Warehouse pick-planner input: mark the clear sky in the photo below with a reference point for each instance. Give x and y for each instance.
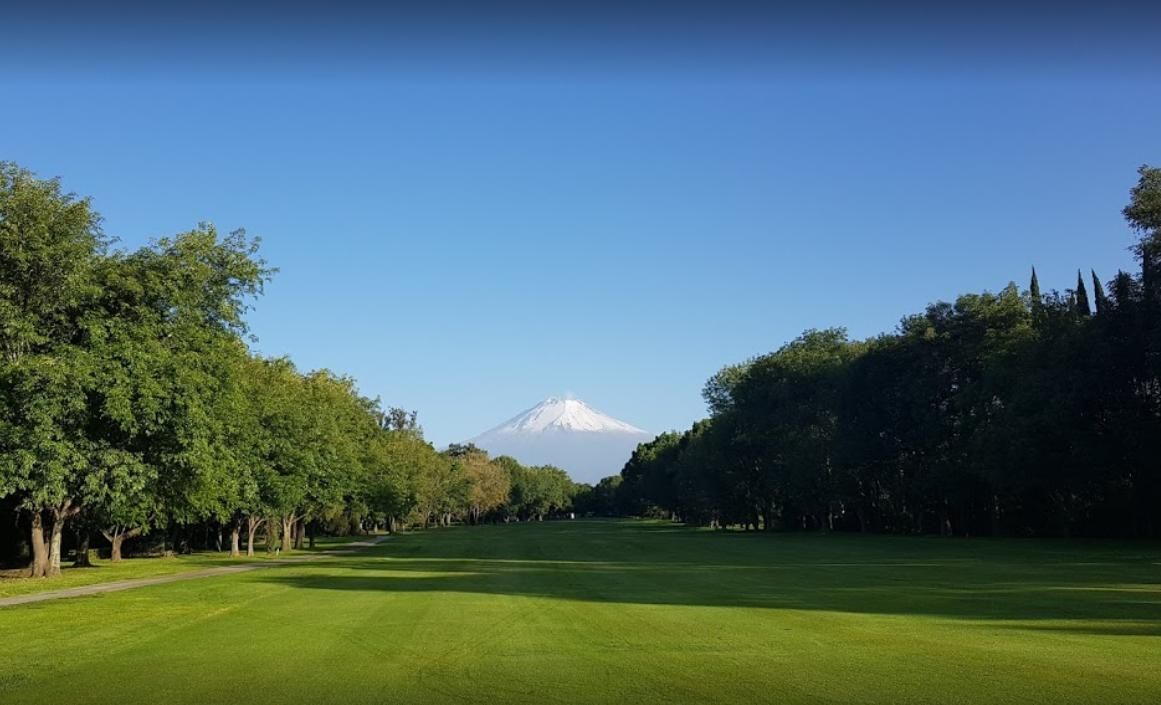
(468, 224)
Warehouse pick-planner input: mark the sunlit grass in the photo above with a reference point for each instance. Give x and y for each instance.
(105, 571)
(617, 612)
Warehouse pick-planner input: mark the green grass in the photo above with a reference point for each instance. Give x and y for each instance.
(105, 571)
(617, 612)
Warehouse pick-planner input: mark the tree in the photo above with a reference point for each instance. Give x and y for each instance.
(123, 497)
(488, 483)
(489, 486)
(164, 338)
(394, 460)
(1034, 294)
(535, 492)
(1100, 301)
(50, 243)
(602, 499)
(648, 475)
(1143, 212)
(130, 402)
(1082, 305)
(718, 391)
(461, 450)
(397, 419)
(442, 491)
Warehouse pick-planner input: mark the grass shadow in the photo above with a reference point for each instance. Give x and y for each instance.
(1084, 588)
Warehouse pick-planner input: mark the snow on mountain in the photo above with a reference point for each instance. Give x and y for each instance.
(563, 414)
(566, 433)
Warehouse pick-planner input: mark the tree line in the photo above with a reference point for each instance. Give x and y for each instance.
(1007, 413)
(131, 404)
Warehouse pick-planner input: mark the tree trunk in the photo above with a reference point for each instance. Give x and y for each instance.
(311, 531)
(273, 526)
(83, 559)
(235, 537)
(54, 545)
(117, 540)
(300, 535)
(116, 536)
(252, 526)
(287, 532)
(38, 568)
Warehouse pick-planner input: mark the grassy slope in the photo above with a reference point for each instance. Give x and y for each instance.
(617, 612)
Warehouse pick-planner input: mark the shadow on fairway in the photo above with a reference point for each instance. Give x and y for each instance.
(1084, 588)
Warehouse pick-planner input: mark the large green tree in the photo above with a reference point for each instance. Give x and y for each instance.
(50, 245)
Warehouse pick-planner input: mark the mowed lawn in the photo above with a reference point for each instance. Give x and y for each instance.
(617, 612)
(105, 571)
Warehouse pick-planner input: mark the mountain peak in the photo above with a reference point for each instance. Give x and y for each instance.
(567, 433)
(563, 414)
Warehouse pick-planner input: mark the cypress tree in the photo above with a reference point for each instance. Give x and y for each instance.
(1100, 301)
(1082, 306)
(1034, 294)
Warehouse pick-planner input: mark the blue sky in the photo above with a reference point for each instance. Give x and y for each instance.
(466, 241)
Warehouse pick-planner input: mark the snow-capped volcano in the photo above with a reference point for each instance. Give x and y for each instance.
(564, 415)
(567, 433)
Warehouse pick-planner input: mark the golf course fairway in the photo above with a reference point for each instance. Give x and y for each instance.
(593, 611)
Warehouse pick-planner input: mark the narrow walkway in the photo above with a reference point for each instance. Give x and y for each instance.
(119, 585)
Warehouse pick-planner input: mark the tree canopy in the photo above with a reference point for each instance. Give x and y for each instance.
(131, 402)
(1010, 412)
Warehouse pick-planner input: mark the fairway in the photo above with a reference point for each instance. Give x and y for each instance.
(613, 612)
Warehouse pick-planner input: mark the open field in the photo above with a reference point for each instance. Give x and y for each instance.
(610, 612)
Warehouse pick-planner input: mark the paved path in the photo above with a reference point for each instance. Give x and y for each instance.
(119, 585)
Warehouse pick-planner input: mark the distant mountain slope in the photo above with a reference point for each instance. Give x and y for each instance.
(567, 433)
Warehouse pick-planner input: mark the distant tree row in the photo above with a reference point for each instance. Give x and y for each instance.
(1010, 413)
(130, 404)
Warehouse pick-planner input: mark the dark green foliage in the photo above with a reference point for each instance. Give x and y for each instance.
(1082, 305)
(1034, 293)
(459, 450)
(1144, 210)
(536, 492)
(1100, 301)
(603, 500)
(995, 414)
